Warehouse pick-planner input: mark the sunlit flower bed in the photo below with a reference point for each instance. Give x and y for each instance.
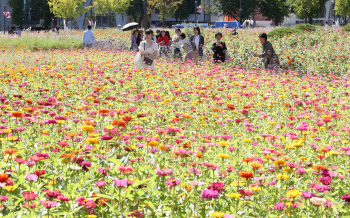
(84, 135)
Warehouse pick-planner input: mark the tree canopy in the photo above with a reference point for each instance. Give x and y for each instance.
(342, 7)
(107, 6)
(232, 7)
(68, 8)
(18, 13)
(306, 9)
(275, 10)
(165, 8)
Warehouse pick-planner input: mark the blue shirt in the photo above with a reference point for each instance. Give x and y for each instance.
(88, 37)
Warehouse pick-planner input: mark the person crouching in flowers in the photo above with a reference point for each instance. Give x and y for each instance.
(219, 48)
(148, 52)
(271, 60)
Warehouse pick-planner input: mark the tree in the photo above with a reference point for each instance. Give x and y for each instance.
(231, 8)
(183, 10)
(136, 10)
(342, 7)
(42, 8)
(210, 8)
(306, 9)
(68, 8)
(107, 6)
(18, 13)
(166, 8)
(275, 10)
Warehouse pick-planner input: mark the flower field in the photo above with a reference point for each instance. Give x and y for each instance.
(84, 135)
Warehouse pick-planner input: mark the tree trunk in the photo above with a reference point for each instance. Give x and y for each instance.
(145, 14)
(310, 20)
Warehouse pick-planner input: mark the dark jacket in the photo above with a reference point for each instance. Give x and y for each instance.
(269, 55)
(201, 43)
(219, 53)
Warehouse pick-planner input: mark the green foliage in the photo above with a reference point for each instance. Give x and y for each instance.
(306, 9)
(166, 8)
(18, 13)
(42, 8)
(346, 28)
(107, 6)
(275, 10)
(183, 10)
(136, 9)
(39, 43)
(67, 8)
(232, 8)
(281, 32)
(210, 8)
(342, 7)
(306, 27)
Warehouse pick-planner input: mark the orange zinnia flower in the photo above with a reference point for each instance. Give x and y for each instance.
(319, 167)
(256, 166)
(88, 122)
(68, 156)
(247, 160)
(127, 118)
(3, 178)
(279, 162)
(231, 106)
(119, 123)
(16, 114)
(103, 111)
(10, 151)
(246, 174)
(199, 154)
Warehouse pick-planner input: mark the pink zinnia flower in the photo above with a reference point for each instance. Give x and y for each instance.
(48, 204)
(209, 194)
(29, 196)
(31, 177)
(196, 184)
(100, 183)
(120, 183)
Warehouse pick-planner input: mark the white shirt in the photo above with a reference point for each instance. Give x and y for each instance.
(174, 40)
(88, 37)
(326, 27)
(186, 45)
(196, 41)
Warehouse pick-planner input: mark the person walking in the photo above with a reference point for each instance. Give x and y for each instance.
(268, 54)
(148, 52)
(88, 38)
(163, 42)
(176, 39)
(197, 41)
(219, 48)
(133, 40)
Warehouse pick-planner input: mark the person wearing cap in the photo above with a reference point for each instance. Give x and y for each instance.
(268, 53)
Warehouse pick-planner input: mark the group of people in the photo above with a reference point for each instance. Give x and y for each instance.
(13, 31)
(150, 47)
(335, 25)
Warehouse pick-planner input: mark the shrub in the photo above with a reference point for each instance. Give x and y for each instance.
(281, 32)
(346, 27)
(306, 27)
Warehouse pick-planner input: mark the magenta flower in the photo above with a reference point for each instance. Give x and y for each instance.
(326, 180)
(172, 182)
(217, 186)
(279, 206)
(29, 196)
(346, 198)
(100, 183)
(30, 205)
(120, 183)
(62, 198)
(3, 198)
(165, 172)
(209, 194)
(48, 204)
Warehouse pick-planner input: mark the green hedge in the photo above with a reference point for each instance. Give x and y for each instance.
(346, 27)
(306, 27)
(281, 32)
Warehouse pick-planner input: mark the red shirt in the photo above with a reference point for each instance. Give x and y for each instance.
(163, 41)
